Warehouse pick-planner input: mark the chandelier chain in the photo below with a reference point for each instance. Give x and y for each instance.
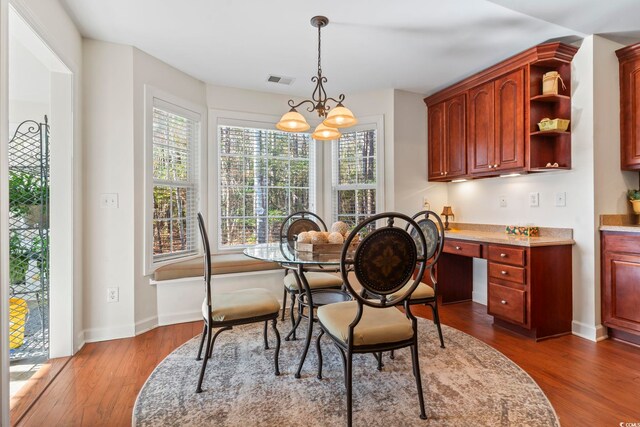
(319, 45)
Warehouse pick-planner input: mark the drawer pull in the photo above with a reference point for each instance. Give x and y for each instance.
(504, 273)
(458, 248)
(503, 255)
(503, 302)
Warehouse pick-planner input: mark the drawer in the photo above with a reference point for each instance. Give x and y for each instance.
(507, 272)
(507, 303)
(507, 255)
(458, 247)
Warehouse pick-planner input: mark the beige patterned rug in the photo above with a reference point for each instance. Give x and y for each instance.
(466, 384)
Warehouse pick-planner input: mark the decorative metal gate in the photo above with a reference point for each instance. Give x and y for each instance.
(29, 240)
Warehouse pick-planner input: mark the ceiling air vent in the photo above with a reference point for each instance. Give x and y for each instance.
(280, 80)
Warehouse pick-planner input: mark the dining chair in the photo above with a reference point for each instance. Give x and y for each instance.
(229, 309)
(294, 224)
(427, 294)
(383, 264)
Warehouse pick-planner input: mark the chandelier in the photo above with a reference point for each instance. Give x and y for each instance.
(338, 117)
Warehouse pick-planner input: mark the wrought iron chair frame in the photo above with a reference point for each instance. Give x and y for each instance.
(347, 349)
(432, 302)
(286, 237)
(210, 324)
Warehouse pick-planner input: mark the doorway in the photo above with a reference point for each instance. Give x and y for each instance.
(40, 134)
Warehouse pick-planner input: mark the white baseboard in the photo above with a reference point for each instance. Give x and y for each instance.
(182, 317)
(111, 333)
(589, 332)
(147, 324)
(479, 297)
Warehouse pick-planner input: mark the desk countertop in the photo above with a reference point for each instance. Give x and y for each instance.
(489, 233)
(626, 223)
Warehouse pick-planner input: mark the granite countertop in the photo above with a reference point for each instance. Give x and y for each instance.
(491, 233)
(616, 222)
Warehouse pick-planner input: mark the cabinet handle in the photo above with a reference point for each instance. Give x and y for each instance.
(458, 248)
(490, 166)
(503, 255)
(504, 273)
(446, 173)
(441, 173)
(503, 302)
(495, 166)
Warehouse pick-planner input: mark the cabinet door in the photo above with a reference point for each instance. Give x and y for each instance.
(509, 121)
(481, 129)
(630, 115)
(436, 138)
(455, 139)
(621, 293)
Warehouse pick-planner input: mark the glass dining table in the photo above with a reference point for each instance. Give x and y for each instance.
(299, 263)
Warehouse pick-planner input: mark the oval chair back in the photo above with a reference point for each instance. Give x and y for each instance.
(433, 230)
(384, 261)
(299, 222)
(207, 259)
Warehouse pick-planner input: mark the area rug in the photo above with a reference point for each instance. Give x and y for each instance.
(465, 384)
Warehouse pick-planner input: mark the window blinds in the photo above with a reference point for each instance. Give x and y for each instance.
(263, 175)
(354, 179)
(175, 184)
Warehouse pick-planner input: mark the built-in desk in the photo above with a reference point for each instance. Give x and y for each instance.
(529, 278)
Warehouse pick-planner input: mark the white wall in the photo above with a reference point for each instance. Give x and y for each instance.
(108, 133)
(114, 82)
(411, 157)
(148, 70)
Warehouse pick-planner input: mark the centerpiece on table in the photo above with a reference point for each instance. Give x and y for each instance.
(325, 242)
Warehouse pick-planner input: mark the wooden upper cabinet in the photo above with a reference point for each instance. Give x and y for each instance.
(436, 134)
(509, 119)
(481, 129)
(447, 139)
(456, 142)
(483, 125)
(629, 58)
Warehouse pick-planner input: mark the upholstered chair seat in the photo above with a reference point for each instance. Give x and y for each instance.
(422, 291)
(378, 325)
(244, 304)
(316, 280)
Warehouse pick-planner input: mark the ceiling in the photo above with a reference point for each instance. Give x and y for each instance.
(415, 45)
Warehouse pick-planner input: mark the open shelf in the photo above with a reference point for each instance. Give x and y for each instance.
(551, 133)
(550, 98)
(546, 169)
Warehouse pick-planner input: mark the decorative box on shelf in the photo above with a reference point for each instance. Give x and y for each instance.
(547, 124)
(527, 231)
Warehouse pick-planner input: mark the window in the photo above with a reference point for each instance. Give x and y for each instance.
(356, 190)
(263, 176)
(175, 179)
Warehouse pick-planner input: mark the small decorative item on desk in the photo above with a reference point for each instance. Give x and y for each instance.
(550, 83)
(528, 231)
(547, 124)
(634, 199)
(325, 242)
(447, 212)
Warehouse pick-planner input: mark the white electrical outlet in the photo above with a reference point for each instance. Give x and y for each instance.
(109, 200)
(534, 199)
(113, 294)
(561, 199)
(503, 201)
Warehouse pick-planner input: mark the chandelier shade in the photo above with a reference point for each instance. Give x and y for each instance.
(325, 133)
(293, 122)
(338, 117)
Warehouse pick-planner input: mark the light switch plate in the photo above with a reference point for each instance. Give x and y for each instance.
(534, 199)
(503, 201)
(109, 200)
(561, 199)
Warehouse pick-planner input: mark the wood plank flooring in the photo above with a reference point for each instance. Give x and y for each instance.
(594, 384)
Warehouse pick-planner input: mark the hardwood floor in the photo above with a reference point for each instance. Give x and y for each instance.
(594, 384)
